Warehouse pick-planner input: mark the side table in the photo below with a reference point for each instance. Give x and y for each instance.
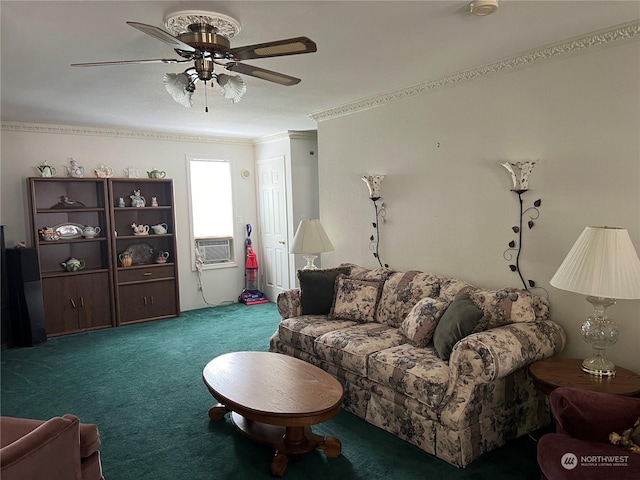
(554, 372)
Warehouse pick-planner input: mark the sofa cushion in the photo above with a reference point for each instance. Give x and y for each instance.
(422, 320)
(501, 307)
(415, 372)
(317, 289)
(301, 332)
(451, 288)
(362, 273)
(400, 293)
(458, 321)
(350, 347)
(355, 299)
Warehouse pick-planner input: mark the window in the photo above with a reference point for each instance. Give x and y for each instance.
(211, 201)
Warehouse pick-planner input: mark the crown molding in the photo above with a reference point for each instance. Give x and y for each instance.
(132, 134)
(290, 134)
(566, 48)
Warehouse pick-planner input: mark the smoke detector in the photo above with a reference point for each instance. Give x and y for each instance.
(482, 8)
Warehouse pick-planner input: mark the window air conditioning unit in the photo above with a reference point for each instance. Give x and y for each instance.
(214, 251)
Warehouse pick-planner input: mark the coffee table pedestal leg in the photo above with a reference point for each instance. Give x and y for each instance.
(217, 412)
(286, 441)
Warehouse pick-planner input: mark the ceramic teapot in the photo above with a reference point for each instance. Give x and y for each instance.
(161, 257)
(73, 264)
(140, 229)
(45, 170)
(74, 169)
(160, 228)
(155, 173)
(103, 171)
(90, 232)
(49, 234)
(125, 259)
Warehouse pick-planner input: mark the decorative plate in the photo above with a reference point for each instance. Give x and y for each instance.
(69, 230)
(141, 253)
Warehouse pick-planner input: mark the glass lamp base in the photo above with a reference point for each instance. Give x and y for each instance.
(599, 366)
(310, 262)
(600, 332)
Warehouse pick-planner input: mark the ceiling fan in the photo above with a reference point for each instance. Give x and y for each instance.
(204, 39)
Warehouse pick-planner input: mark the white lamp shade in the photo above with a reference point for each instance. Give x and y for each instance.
(602, 263)
(311, 238)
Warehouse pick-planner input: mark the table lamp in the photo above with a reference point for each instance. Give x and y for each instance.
(604, 265)
(309, 240)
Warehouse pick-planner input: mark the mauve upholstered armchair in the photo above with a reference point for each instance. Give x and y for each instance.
(61, 448)
(580, 448)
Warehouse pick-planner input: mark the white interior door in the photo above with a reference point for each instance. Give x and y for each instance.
(272, 211)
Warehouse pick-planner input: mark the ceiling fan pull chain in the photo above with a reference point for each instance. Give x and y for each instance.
(206, 98)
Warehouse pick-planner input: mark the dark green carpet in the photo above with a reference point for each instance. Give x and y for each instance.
(142, 385)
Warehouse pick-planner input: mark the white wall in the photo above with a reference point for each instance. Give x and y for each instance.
(449, 208)
(23, 147)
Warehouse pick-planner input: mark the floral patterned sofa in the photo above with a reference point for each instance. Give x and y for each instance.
(435, 361)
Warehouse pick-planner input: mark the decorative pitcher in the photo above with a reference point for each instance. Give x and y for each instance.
(161, 257)
(125, 259)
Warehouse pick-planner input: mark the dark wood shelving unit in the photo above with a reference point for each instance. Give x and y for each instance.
(104, 293)
(146, 290)
(81, 300)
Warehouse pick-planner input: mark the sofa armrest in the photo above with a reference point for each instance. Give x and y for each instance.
(288, 303)
(51, 450)
(497, 352)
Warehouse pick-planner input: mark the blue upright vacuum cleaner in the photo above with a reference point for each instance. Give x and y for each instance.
(251, 295)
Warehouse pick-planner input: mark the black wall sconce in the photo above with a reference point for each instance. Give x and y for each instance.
(520, 172)
(374, 182)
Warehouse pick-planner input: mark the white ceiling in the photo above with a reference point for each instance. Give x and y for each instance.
(364, 48)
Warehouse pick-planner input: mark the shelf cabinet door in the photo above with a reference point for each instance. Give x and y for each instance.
(76, 302)
(61, 310)
(147, 301)
(162, 299)
(94, 299)
(133, 302)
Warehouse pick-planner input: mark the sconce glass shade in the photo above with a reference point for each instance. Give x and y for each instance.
(373, 182)
(604, 265)
(520, 172)
(310, 239)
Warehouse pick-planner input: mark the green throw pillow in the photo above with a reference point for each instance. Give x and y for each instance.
(317, 289)
(458, 321)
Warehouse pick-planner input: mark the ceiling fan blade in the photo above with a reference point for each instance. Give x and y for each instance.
(160, 34)
(262, 73)
(290, 46)
(127, 62)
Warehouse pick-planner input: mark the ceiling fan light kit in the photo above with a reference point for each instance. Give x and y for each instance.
(204, 38)
(482, 8)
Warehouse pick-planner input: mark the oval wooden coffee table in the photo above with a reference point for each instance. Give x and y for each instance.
(274, 399)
